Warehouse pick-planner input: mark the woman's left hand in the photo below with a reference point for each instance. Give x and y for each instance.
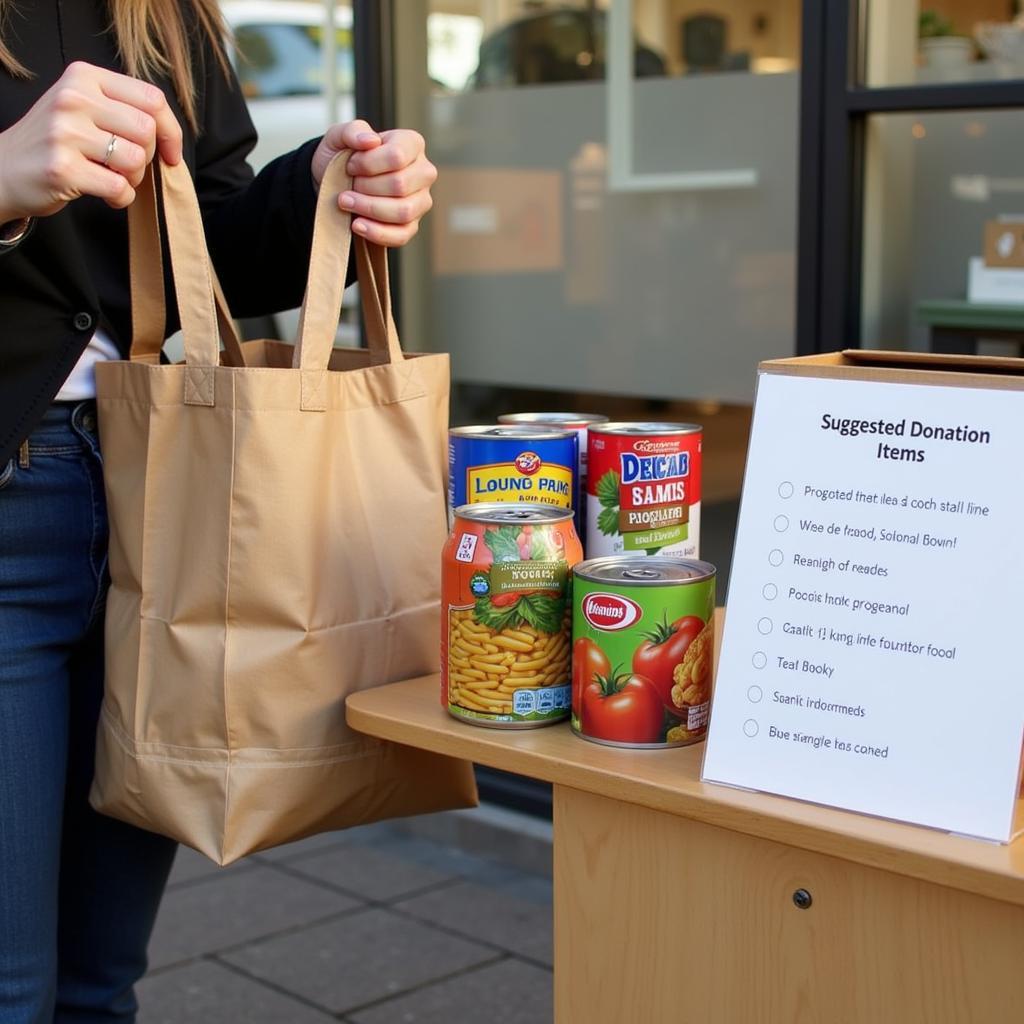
(391, 179)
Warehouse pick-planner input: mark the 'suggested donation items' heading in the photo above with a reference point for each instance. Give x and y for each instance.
(848, 427)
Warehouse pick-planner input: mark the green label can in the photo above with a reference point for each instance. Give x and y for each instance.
(643, 650)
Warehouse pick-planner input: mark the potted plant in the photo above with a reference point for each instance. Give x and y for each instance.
(941, 48)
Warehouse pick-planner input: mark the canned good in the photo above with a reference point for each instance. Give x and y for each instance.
(507, 617)
(643, 489)
(643, 648)
(513, 464)
(578, 421)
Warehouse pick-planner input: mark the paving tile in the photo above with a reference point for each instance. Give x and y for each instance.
(509, 992)
(515, 917)
(359, 959)
(369, 871)
(234, 908)
(315, 844)
(206, 991)
(189, 866)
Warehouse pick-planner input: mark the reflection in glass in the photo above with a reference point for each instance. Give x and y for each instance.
(944, 199)
(926, 41)
(518, 42)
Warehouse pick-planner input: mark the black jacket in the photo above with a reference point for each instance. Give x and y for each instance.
(71, 274)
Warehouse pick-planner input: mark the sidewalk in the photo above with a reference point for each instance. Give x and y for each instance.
(371, 926)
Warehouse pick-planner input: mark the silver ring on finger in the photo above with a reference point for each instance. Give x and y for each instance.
(111, 146)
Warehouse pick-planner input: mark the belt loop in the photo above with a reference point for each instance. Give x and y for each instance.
(23, 460)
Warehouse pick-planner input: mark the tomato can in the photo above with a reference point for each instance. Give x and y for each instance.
(643, 489)
(643, 648)
(507, 463)
(507, 614)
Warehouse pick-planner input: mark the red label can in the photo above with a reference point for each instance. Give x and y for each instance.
(643, 489)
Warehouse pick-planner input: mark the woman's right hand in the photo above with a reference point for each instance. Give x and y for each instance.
(56, 152)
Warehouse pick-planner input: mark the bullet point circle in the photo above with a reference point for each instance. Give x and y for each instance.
(775, 557)
(770, 591)
(781, 524)
(759, 660)
(785, 489)
(750, 727)
(754, 694)
(764, 626)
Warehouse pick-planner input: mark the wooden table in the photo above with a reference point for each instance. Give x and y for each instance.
(678, 902)
(956, 325)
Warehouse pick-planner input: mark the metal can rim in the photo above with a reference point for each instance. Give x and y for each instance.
(514, 511)
(588, 569)
(575, 420)
(510, 432)
(622, 428)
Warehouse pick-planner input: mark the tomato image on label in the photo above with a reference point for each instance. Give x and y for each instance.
(662, 651)
(623, 708)
(588, 663)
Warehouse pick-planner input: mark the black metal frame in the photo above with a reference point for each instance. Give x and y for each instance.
(834, 112)
(372, 40)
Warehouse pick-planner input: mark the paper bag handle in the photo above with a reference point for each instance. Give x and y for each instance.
(198, 290)
(328, 264)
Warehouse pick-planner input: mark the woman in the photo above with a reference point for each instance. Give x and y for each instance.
(89, 91)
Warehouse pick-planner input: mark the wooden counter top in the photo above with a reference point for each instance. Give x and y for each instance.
(669, 780)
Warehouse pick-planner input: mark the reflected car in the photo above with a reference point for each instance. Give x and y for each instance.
(278, 56)
(554, 46)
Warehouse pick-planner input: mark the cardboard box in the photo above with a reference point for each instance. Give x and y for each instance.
(870, 656)
(1004, 285)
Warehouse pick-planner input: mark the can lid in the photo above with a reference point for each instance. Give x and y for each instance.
(512, 512)
(512, 432)
(567, 419)
(647, 428)
(644, 570)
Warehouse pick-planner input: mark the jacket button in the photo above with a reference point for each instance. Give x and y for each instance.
(83, 321)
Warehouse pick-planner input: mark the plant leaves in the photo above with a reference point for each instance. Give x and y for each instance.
(502, 542)
(544, 613)
(607, 489)
(608, 521)
(497, 618)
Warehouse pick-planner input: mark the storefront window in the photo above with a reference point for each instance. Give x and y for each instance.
(934, 182)
(928, 41)
(615, 219)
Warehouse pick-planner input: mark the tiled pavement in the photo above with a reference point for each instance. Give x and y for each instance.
(371, 926)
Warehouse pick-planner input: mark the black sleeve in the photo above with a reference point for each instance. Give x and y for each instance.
(259, 229)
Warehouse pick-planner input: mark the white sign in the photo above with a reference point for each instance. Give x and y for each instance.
(872, 655)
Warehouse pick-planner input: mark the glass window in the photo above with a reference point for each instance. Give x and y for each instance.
(927, 41)
(286, 60)
(943, 261)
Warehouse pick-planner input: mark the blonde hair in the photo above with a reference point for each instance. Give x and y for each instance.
(152, 40)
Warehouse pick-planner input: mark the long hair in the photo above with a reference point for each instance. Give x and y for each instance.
(152, 40)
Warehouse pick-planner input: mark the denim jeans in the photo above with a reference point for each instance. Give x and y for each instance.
(78, 891)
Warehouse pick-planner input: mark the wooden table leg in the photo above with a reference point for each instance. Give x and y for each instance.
(663, 920)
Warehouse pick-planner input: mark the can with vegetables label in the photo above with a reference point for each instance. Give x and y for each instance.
(643, 650)
(643, 489)
(507, 617)
(514, 464)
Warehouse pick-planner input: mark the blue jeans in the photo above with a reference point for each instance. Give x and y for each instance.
(78, 891)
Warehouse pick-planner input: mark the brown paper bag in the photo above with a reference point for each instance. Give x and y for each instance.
(276, 530)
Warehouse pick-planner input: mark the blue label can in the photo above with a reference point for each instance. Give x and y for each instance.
(513, 463)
